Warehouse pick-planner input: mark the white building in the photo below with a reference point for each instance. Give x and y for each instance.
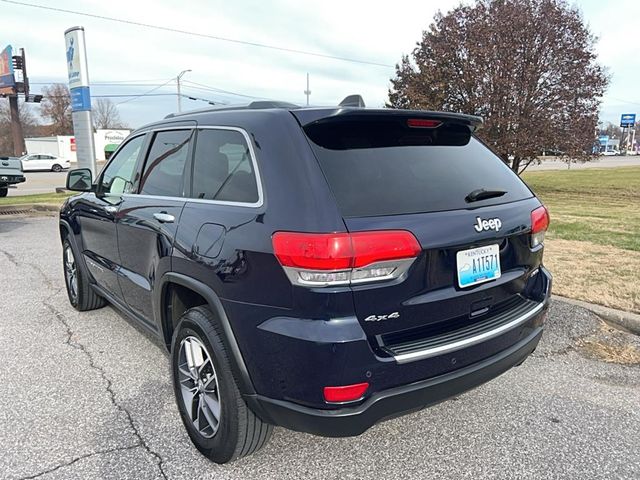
(106, 141)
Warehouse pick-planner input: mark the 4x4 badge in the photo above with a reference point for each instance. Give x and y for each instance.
(490, 224)
(378, 318)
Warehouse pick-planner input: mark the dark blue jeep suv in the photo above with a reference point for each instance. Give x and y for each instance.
(321, 269)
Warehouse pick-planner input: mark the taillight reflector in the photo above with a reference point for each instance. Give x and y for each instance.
(345, 393)
(423, 123)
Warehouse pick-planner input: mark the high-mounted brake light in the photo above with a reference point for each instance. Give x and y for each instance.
(423, 123)
(321, 259)
(539, 225)
(346, 393)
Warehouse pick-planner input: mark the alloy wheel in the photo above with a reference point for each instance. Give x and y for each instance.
(71, 272)
(199, 386)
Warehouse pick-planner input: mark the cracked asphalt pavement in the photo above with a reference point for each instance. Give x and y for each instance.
(88, 395)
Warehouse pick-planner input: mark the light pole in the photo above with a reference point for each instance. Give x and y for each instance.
(307, 92)
(178, 84)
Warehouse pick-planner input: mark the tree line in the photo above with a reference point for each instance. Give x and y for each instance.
(53, 117)
(528, 67)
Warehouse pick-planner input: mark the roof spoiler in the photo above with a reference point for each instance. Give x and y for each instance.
(352, 101)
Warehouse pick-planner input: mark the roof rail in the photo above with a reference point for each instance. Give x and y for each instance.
(255, 105)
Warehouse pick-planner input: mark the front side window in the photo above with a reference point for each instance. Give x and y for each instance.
(164, 168)
(119, 174)
(222, 167)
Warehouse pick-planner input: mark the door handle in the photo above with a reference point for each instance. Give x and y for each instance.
(164, 217)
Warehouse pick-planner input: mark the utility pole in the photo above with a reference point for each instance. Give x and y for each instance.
(16, 127)
(178, 85)
(19, 63)
(307, 92)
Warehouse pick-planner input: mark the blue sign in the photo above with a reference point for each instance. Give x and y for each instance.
(7, 79)
(80, 99)
(603, 139)
(628, 120)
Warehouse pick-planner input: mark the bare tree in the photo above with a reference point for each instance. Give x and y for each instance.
(611, 129)
(27, 118)
(529, 67)
(105, 114)
(56, 107)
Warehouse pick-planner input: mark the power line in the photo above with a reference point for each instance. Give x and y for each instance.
(202, 86)
(185, 84)
(189, 97)
(622, 100)
(104, 84)
(202, 35)
(147, 92)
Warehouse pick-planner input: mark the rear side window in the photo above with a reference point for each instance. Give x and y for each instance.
(382, 166)
(222, 167)
(164, 168)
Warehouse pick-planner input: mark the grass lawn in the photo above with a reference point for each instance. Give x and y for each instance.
(593, 243)
(49, 198)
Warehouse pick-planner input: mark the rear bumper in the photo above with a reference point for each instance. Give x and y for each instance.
(393, 402)
(11, 179)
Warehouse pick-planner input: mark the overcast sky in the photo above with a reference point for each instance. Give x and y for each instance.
(378, 32)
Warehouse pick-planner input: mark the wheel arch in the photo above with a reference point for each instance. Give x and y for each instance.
(198, 290)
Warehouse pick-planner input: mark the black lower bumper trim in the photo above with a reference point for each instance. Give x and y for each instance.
(393, 402)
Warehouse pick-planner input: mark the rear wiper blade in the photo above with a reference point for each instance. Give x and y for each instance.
(482, 194)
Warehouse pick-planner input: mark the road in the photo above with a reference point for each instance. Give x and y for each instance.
(599, 162)
(88, 395)
(39, 182)
(46, 182)
(42, 182)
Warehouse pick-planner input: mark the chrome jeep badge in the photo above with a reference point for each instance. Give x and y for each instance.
(490, 224)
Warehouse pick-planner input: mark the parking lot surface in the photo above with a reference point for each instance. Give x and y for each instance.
(39, 182)
(88, 395)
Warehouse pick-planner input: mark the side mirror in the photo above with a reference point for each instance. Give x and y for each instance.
(80, 180)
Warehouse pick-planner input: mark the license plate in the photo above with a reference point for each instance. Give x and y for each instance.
(478, 265)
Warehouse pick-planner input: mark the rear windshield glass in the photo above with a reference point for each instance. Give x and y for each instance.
(383, 167)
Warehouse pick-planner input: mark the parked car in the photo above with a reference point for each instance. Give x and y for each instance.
(42, 161)
(610, 153)
(320, 269)
(10, 174)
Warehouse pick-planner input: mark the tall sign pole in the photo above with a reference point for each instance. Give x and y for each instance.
(80, 98)
(8, 88)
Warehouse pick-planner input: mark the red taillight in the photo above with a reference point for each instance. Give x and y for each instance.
(370, 247)
(343, 258)
(346, 393)
(539, 220)
(423, 123)
(315, 251)
(539, 225)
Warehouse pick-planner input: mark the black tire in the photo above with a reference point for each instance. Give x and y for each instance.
(4, 191)
(56, 168)
(82, 297)
(239, 431)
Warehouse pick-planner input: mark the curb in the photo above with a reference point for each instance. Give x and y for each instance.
(28, 208)
(627, 320)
